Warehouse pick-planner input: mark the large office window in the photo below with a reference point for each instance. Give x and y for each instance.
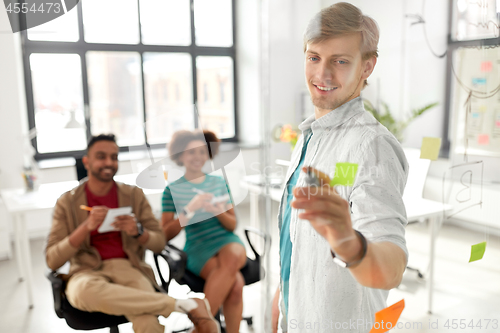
(140, 69)
(472, 62)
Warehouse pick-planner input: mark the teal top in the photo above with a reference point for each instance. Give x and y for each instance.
(285, 242)
(205, 235)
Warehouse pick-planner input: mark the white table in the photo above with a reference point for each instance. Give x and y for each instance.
(417, 209)
(20, 201)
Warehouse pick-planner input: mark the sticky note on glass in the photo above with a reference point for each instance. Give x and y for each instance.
(387, 318)
(345, 173)
(483, 139)
(477, 251)
(479, 81)
(430, 148)
(486, 66)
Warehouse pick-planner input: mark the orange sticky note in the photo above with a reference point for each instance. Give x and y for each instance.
(483, 139)
(387, 318)
(486, 66)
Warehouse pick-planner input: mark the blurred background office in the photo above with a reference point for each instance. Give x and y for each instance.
(137, 68)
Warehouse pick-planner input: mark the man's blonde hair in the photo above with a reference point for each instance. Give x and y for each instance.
(340, 19)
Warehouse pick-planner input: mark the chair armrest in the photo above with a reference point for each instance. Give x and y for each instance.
(176, 260)
(267, 240)
(58, 285)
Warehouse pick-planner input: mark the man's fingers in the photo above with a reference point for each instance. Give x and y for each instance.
(316, 204)
(99, 210)
(308, 192)
(125, 217)
(323, 177)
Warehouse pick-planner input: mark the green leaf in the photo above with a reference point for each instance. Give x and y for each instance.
(386, 118)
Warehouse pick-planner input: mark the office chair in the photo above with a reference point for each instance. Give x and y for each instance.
(414, 189)
(177, 259)
(77, 319)
(81, 172)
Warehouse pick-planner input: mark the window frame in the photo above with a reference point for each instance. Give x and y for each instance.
(81, 47)
(452, 46)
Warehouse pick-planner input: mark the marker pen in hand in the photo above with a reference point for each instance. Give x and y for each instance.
(315, 177)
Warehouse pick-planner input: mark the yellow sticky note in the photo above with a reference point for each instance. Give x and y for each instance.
(387, 318)
(345, 173)
(430, 148)
(477, 251)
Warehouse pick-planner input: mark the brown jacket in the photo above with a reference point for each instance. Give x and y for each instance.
(68, 216)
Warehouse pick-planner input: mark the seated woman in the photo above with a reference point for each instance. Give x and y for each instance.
(214, 252)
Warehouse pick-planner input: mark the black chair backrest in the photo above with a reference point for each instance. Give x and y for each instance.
(77, 319)
(81, 172)
(177, 259)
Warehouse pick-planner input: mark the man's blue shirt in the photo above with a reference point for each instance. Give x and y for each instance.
(285, 242)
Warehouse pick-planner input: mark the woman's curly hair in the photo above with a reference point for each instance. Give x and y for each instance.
(181, 139)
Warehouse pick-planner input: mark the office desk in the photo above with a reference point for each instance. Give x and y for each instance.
(20, 201)
(417, 209)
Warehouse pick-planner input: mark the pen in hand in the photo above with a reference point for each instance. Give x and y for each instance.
(87, 208)
(315, 177)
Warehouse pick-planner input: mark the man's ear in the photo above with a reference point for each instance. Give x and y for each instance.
(85, 161)
(369, 67)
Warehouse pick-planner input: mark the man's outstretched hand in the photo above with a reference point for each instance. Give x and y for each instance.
(329, 215)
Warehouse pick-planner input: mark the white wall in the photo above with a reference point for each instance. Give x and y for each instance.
(248, 70)
(13, 119)
(288, 20)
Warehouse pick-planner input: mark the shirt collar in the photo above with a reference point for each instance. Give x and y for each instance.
(335, 117)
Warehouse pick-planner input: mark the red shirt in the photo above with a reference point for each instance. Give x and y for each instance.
(109, 244)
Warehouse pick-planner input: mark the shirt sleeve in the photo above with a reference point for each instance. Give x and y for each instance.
(376, 200)
(167, 202)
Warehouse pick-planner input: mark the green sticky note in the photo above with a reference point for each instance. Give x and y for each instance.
(345, 173)
(430, 148)
(477, 251)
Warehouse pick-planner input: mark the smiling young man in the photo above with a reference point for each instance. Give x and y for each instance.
(107, 270)
(341, 249)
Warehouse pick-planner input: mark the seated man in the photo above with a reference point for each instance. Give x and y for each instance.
(107, 272)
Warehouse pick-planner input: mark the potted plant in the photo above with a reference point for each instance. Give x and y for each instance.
(396, 127)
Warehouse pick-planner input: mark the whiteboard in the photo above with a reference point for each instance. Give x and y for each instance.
(476, 121)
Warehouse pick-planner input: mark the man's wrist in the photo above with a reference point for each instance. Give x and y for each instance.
(140, 231)
(88, 226)
(350, 248)
(353, 256)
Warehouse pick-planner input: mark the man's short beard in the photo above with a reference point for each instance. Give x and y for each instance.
(325, 105)
(98, 176)
(330, 105)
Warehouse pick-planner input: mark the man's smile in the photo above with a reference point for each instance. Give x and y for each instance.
(323, 88)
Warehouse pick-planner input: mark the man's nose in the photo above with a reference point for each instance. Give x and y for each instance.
(109, 161)
(325, 73)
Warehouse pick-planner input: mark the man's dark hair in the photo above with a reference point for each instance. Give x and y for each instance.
(100, 137)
